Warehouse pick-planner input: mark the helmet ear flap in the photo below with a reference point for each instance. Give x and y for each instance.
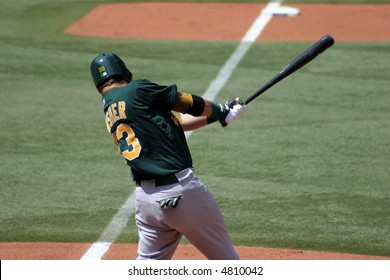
(129, 77)
(107, 65)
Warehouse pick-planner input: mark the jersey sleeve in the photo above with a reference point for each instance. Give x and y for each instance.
(177, 116)
(159, 96)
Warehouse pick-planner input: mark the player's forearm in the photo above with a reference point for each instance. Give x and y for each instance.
(190, 122)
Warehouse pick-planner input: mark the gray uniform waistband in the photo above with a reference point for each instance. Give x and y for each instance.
(172, 179)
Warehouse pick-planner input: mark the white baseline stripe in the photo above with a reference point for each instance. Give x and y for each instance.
(246, 42)
(121, 218)
(112, 230)
(224, 74)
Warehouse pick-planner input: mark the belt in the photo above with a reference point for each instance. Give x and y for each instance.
(166, 181)
(172, 179)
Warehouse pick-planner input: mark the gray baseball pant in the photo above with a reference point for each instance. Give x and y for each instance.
(197, 217)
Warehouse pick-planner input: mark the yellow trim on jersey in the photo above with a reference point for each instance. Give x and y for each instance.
(183, 103)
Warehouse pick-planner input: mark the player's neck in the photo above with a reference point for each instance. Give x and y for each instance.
(114, 85)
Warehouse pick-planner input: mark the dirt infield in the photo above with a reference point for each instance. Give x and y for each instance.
(74, 251)
(210, 21)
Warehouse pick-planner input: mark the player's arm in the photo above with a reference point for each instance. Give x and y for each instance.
(197, 106)
(189, 122)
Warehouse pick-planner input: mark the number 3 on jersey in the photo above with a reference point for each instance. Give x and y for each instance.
(132, 149)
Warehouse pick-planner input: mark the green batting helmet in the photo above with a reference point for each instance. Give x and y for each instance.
(107, 65)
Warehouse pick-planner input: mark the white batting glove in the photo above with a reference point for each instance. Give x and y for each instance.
(235, 112)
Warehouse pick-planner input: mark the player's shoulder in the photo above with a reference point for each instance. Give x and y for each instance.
(144, 83)
(150, 92)
(141, 85)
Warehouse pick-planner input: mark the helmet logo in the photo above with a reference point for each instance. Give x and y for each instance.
(102, 71)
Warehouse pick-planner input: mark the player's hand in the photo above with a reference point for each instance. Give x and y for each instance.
(235, 101)
(231, 111)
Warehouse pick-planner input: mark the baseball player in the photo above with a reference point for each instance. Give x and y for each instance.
(147, 122)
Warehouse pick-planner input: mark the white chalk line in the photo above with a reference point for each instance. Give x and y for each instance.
(112, 230)
(121, 218)
(246, 42)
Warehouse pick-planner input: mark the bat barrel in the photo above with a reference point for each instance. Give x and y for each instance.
(308, 55)
(325, 43)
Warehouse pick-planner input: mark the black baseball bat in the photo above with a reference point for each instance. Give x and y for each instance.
(308, 55)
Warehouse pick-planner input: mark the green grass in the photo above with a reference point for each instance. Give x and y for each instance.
(306, 167)
(309, 161)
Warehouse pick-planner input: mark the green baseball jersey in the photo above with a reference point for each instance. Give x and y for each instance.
(148, 134)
